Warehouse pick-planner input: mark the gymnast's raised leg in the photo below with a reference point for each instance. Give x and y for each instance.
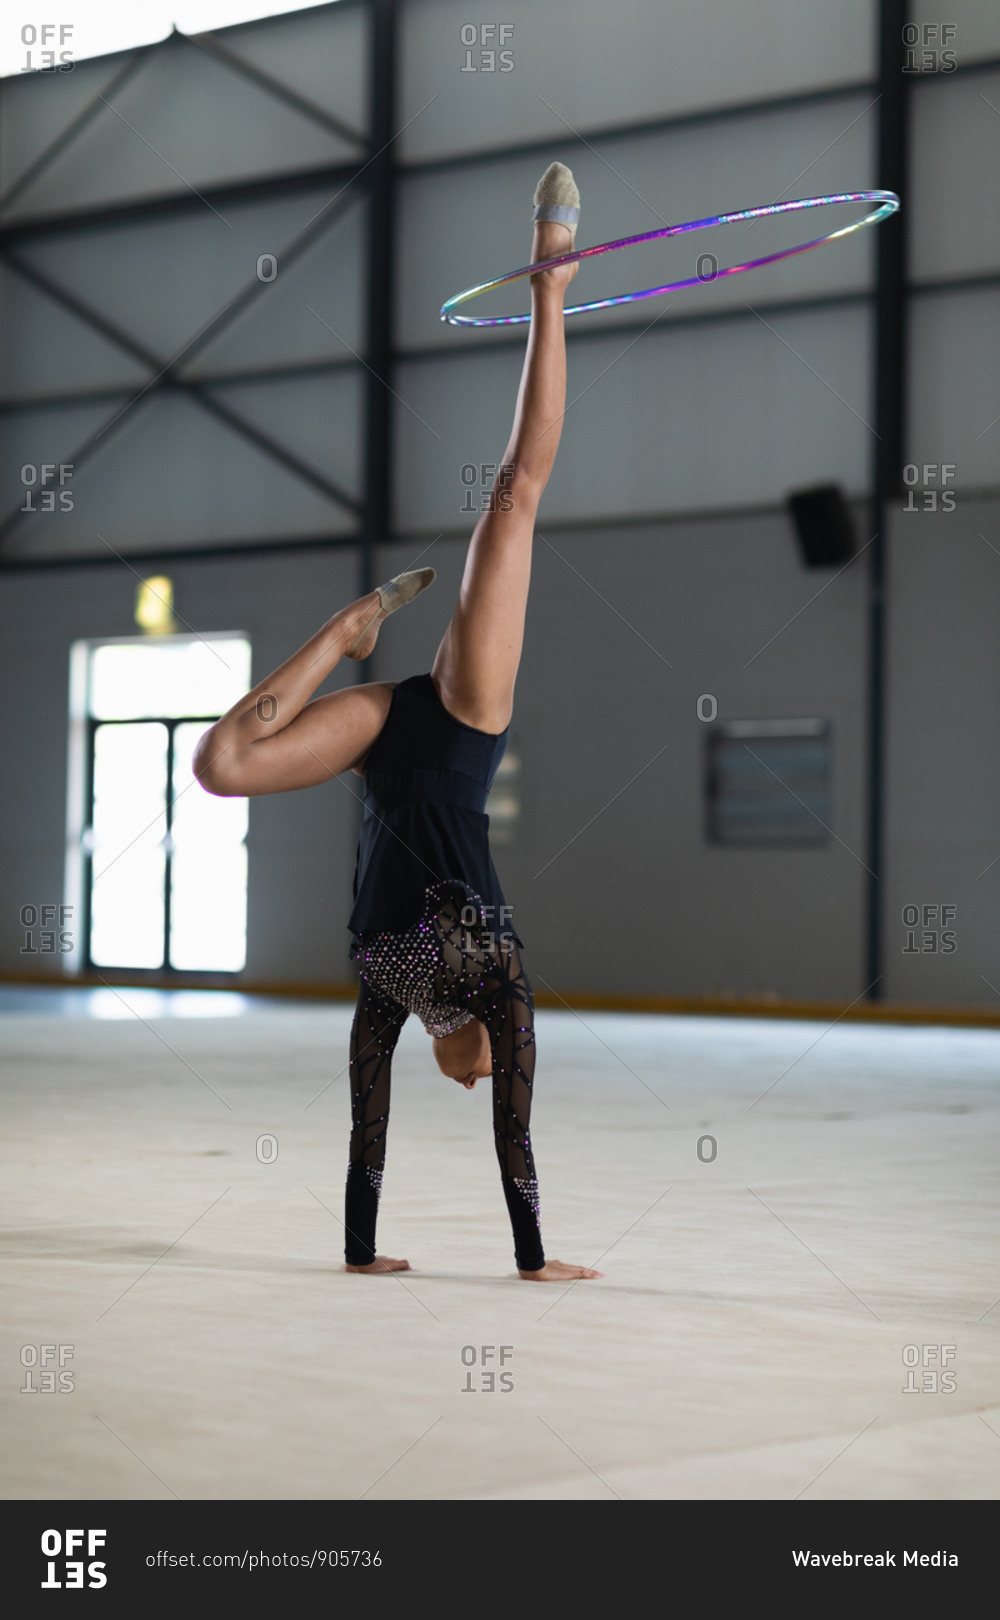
(474, 672)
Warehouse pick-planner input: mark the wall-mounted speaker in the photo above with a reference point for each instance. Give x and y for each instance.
(823, 526)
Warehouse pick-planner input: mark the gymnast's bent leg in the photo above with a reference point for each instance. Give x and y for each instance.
(378, 1020)
(275, 740)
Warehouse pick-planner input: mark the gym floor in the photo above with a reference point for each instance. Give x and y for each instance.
(795, 1223)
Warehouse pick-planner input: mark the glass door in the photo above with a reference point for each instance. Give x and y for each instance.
(165, 863)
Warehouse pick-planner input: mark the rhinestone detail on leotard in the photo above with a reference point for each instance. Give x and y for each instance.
(405, 966)
(529, 1191)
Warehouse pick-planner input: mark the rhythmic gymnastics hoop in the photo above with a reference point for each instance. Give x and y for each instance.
(887, 202)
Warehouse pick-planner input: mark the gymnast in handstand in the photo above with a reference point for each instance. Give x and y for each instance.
(431, 931)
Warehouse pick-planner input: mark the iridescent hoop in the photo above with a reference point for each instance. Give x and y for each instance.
(887, 202)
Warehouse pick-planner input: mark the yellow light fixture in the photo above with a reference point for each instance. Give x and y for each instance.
(154, 606)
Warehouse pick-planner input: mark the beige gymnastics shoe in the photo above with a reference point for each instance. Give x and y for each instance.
(557, 198)
(395, 594)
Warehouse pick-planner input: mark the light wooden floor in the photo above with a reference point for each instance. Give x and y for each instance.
(747, 1341)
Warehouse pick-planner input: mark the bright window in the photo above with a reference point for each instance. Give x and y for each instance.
(165, 863)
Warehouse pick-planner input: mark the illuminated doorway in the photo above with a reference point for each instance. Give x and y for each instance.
(161, 869)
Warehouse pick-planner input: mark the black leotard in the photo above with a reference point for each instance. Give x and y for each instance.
(427, 776)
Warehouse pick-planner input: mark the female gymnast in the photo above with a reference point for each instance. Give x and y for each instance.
(430, 927)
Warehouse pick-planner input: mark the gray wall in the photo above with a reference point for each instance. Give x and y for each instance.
(943, 769)
(665, 568)
(624, 896)
(613, 884)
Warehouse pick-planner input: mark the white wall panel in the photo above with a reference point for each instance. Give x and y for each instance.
(169, 474)
(954, 213)
(163, 281)
(954, 385)
(976, 24)
(695, 418)
(587, 68)
(461, 227)
(183, 121)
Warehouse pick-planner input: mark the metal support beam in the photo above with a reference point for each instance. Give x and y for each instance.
(166, 205)
(809, 303)
(274, 87)
(75, 127)
(381, 244)
(15, 404)
(163, 376)
(328, 216)
(673, 123)
(211, 549)
(890, 394)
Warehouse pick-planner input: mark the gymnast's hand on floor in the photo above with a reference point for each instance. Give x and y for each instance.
(381, 1262)
(558, 1271)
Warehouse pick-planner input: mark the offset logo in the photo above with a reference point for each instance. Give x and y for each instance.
(63, 1568)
